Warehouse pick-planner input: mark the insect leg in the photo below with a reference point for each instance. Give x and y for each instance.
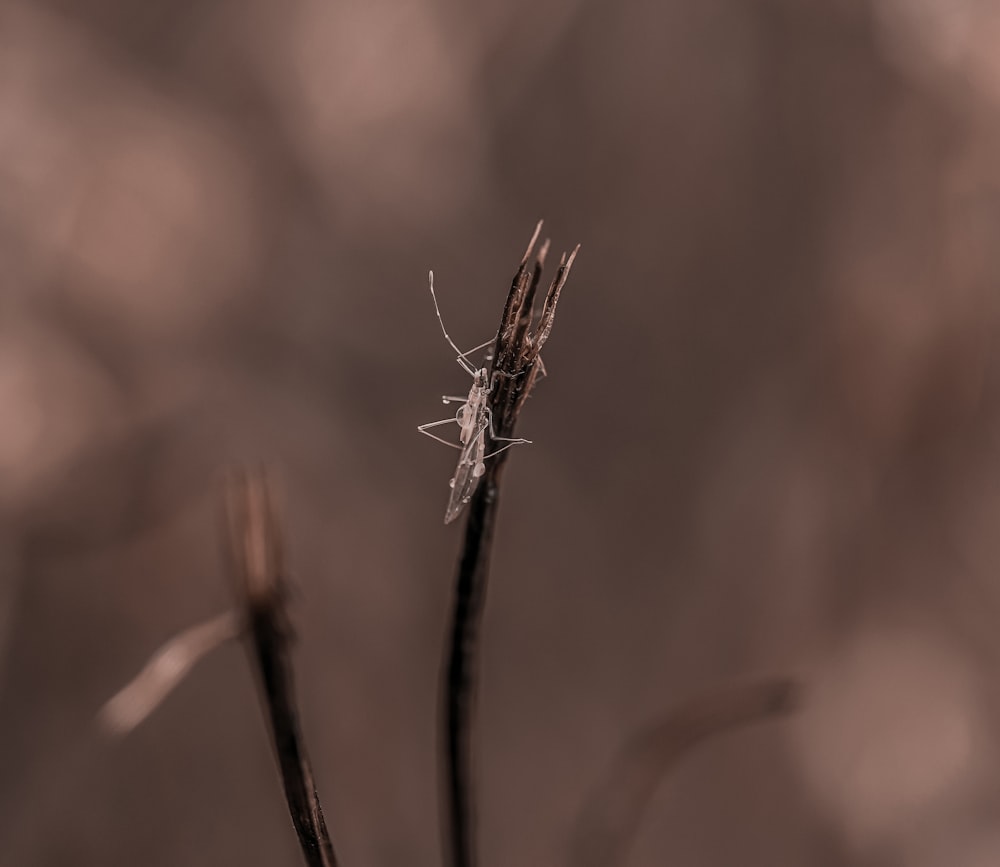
(512, 441)
(504, 448)
(475, 349)
(442, 441)
(422, 428)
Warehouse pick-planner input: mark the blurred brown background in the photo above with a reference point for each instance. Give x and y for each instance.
(769, 441)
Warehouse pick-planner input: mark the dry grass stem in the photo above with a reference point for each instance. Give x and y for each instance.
(165, 669)
(515, 366)
(611, 817)
(257, 559)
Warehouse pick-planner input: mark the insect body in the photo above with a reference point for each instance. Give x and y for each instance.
(474, 419)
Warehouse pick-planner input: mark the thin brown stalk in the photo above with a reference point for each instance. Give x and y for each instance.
(166, 668)
(257, 559)
(611, 816)
(516, 362)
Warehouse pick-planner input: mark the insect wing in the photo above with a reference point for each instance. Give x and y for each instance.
(465, 480)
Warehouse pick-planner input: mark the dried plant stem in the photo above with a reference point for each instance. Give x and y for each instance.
(611, 816)
(167, 668)
(516, 360)
(255, 547)
(470, 597)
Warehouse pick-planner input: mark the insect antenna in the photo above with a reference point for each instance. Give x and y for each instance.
(461, 355)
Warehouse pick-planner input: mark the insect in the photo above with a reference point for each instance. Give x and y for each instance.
(474, 419)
